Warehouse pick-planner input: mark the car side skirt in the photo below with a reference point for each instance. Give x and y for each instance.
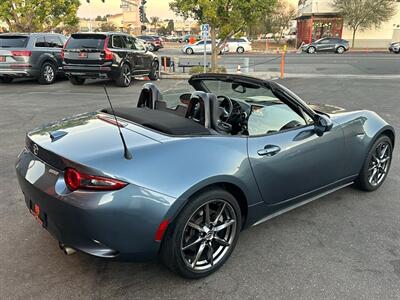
(289, 208)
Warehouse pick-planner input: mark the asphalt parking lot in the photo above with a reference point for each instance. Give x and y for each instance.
(343, 246)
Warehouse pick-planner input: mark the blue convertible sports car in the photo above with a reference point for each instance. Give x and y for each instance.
(184, 176)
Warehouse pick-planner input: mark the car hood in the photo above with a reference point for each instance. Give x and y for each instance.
(326, 108)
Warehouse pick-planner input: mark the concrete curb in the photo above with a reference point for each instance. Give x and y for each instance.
(274, 75)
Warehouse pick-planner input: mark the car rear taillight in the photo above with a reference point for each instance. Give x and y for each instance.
(21, 53)
(76, 180)
(63, 49)
(108, 55)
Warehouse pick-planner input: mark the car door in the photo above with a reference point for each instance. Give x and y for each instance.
(142, 58)
(293, 163)
(324, 44)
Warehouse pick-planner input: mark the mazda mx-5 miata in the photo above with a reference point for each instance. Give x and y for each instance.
(180, 178)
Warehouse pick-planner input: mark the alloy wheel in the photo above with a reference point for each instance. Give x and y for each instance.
(340, 50)
(208, 235)
(48, 73)
(379, 164)
(126, 73)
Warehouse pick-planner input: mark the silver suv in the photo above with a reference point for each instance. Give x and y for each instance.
(34, 55)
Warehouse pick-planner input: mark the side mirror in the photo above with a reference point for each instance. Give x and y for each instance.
(323, 124)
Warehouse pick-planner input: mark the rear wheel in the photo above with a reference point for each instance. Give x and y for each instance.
(376, 165)
(6, 79)
(340, 50)
(153, 75)
(240, 50)
(125, 77)
(204, 234)
(48, 73)
(76, 80)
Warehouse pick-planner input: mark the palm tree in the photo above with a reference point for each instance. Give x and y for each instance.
(154, 21)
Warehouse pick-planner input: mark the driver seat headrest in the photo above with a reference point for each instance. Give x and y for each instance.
(149, 95)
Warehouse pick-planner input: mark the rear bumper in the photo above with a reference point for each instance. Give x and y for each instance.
(119, 224)
(87, 71)
(16, 73)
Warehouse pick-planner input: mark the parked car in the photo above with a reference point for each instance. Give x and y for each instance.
(394, 47)
(32, 55)
(198, 47)
(115, 56)
(181, 181)
(328, 44)
(154, 43)
(239, 45)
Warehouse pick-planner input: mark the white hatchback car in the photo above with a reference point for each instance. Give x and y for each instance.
(239, 45)
(198, 47)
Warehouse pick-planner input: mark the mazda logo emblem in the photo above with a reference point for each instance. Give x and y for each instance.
(35, 149)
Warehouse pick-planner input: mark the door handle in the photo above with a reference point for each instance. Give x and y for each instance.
(269, 150)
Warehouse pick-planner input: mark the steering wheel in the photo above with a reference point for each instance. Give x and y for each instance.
(226, 105)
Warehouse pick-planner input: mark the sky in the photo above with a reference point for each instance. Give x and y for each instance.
(157, 8)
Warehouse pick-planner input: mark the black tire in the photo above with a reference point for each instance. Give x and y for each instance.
(6, 79)
(340, 50)
(124, 78)
(240, 50)
(76, 80)
(221, 205)
(153, 75)
(48, 73)
(376, 161)
(311, 50)
(189, 51)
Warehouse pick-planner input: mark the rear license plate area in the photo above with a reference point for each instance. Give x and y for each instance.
(38, 213)
(2, 58)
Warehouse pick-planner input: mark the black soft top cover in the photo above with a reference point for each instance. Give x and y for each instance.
(159, 120)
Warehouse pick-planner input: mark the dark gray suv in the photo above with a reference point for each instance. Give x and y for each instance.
(34, 55)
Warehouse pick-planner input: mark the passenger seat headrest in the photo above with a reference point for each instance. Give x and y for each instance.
(149, 95)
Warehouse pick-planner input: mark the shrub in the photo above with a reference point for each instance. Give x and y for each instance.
(200, 69)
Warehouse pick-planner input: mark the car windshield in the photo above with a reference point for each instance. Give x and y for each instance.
(86, 42)
(13, 41)
(246, 92)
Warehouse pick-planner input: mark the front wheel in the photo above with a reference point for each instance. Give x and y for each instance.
(204, 235)
(311, 50)
(376, 165)
(189, 51)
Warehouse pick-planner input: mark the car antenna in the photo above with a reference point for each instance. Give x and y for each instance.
(127, 154)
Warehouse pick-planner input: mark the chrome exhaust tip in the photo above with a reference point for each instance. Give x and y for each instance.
(67, 250)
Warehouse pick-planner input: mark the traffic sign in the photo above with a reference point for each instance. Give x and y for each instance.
(205, 27)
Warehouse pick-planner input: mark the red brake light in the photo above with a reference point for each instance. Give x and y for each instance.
(108, 55)
(111, 120)
(21, 53)
(76, 180)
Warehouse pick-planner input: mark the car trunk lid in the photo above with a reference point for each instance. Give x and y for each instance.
(84, 140)
(13, 51)
(89, 49)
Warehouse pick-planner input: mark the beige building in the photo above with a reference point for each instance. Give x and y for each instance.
(318, 18)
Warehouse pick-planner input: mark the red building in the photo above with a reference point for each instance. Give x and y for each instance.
(317, 19)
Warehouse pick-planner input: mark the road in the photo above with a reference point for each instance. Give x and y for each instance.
(321, 63)
(343, 246)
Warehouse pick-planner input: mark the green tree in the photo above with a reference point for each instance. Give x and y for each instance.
(154, 22)
(170, 26)
(360, 15)
(226, 17)
(38, 15)
(106, 26)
